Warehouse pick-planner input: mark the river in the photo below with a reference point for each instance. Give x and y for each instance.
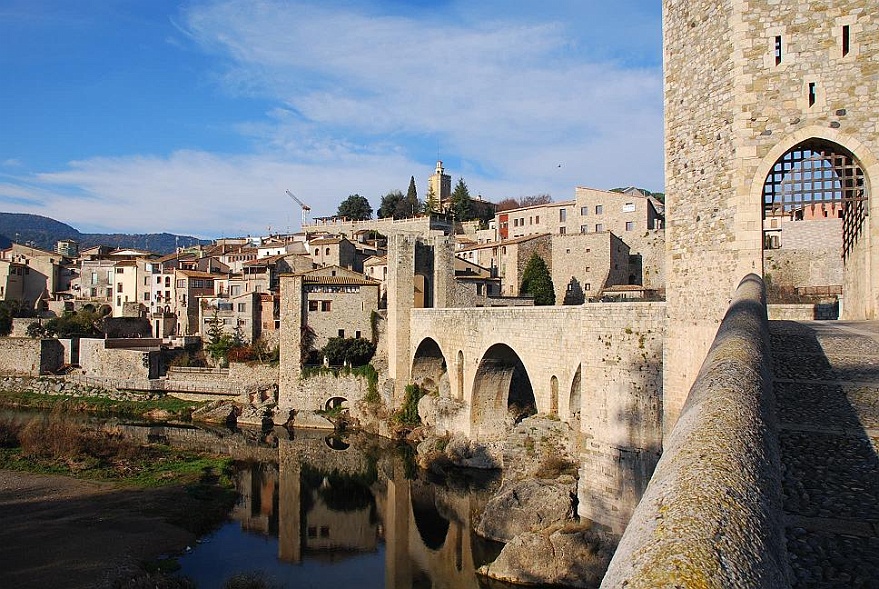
(321, 510)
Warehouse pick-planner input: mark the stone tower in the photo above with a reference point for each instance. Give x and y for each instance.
(441, 184)
(762, 99)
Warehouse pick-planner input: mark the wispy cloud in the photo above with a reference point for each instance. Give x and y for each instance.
(361, 98)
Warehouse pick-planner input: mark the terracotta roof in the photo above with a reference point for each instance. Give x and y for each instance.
(326, 240)
(345, 280)
(197, 274)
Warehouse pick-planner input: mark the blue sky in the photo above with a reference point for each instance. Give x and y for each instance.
(194, 117)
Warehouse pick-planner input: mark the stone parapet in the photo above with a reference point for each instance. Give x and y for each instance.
(712, 513)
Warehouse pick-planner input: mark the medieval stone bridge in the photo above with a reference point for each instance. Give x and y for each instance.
(587, 364)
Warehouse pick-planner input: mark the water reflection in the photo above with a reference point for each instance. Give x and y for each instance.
(350, 512)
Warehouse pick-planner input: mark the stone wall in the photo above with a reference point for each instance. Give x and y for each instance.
(647, 257)
(592, 260)
(712, 514)
(97, 361)
(28, 356)
(798, 268)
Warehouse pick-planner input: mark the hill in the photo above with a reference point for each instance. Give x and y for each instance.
(44, 232)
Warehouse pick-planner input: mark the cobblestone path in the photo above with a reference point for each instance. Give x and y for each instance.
(826, 380)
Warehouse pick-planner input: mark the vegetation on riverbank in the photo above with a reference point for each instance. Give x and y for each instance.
(163, 407)
(199, 486)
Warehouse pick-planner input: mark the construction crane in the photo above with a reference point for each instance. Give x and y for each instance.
(305, 208)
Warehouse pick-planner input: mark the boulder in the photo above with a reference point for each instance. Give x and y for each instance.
(527, 506)
(469, 454)
(569, 555)
(222, 412)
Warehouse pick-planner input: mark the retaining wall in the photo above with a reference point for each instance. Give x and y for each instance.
(712, 513)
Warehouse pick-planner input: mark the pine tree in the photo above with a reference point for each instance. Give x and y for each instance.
(460, 202)
(537, 281)
(431, 205)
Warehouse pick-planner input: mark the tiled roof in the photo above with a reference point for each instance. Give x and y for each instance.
(344, 280)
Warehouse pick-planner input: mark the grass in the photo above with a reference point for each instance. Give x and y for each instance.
(100, 406)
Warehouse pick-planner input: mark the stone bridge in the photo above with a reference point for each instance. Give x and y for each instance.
(597, 367)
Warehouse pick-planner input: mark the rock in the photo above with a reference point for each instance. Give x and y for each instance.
(222, 412)
(251, 415)
(570, 555)
(157, 415)
(311, 420)
(526, 506)
(469, 454)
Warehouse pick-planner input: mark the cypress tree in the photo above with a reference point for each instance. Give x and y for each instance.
(537, 281)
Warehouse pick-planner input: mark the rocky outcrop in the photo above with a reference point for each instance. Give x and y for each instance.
(440, 452)
(221, 412)
(526, 506)
(570, 555)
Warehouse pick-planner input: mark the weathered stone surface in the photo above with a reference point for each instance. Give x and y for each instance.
(310, 419)
(470, 454)
(571, 556)
(224, 412)
(527, 506)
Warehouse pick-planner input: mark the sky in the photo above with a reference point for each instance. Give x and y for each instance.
(195, 117)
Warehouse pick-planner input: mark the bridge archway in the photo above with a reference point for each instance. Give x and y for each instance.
(432, 527)
(429, 368)
(502, 393)
(575, 397)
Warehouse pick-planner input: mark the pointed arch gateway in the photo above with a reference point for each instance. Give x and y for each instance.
(816, 187)
(429, 368)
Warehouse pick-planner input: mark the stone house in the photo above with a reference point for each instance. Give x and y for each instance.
(38, 277)
(334, 302)
(243, 312)
(624, 213)
(556, 218)
(191, 286)
(582, 266)
(335, 251)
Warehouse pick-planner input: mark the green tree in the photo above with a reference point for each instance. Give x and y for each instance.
(460, 202)
(431, 205)
(355, 207)
(219, 343)
(389, 204)
(537, 282)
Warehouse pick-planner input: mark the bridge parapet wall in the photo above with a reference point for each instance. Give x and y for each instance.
(712, 513)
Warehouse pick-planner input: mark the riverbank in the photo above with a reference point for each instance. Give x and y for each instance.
(62, 532)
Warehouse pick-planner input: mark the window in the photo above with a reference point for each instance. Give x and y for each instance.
(584, 229)
(118, 287)
(181, 283)
(94, 292)
(146, 296)
(109, 293)
(630, 225)
(536, 219)
(167, 281)
(846, 40)
(584, 211)
(531, 220)
(599, 227)
(357, 334)
(327, 252)
(159, 280)
(629, 207)
(118, 301)
(242, 307)
(587, 286)
(341, 333)
(811, 93)
(94, 277)
(599, 209)
(777, 49)
(312, 305)
(326, 305)
(563, 215)
(120, 270)
(562, 230)
(235, 290)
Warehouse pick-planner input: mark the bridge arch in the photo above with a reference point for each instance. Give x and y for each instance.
(429, 367)
(501, 384)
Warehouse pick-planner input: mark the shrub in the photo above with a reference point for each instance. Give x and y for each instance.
(407, 414)
(352, 351)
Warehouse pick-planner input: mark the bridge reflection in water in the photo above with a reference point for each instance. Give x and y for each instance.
(352, 512)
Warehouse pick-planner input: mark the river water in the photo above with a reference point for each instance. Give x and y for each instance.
(319, 510)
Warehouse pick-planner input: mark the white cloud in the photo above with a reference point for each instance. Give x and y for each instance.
(362, 101)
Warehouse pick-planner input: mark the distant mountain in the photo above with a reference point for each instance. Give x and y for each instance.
(43, 232)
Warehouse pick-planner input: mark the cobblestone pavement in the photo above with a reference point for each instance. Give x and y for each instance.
(827, 394)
